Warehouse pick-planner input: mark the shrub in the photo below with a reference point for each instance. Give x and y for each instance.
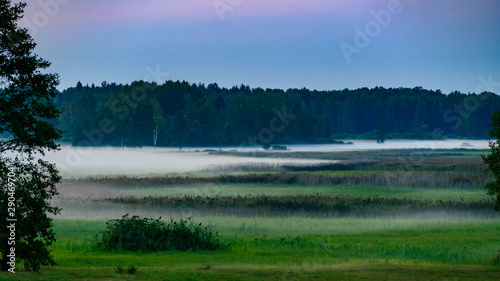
(206, 267)
(119, 270)
(153, 235)
(131, 269)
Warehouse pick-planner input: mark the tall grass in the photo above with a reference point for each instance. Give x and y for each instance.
(448, 179)
(362, 161)
(312, 205)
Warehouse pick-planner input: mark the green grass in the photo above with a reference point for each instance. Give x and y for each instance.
(429, 244)
(69, 230)
(293, 249)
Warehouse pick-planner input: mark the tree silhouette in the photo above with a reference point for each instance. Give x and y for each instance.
(27, 184)
(493, 160)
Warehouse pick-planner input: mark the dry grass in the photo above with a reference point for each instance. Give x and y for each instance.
(312, 205)
(393, 178)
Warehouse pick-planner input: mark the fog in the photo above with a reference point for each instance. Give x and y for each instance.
(394, 144)
(97, 210)
(78, 200)
(80, 161)
(77, 162)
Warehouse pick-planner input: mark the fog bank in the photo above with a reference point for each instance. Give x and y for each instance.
(79, 161)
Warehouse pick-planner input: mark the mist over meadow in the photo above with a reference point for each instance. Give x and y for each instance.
(249, 140)
(86, 161)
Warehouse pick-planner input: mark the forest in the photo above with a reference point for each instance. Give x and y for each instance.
(179, 113)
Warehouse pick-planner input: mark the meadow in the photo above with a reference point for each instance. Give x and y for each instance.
(370, 215)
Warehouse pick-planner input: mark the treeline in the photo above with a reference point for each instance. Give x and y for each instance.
(184, 114)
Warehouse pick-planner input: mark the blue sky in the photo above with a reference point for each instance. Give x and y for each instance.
(440, 44)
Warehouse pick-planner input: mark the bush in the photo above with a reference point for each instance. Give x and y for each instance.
(119, 270)
(153, 235)
(131, 269)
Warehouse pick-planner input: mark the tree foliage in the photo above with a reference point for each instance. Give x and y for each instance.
(26, 109)
(380, 132)
(493, 160)
(185, 114)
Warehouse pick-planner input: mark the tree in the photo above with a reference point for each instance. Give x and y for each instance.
(380, 132)
(157, 119)
(179, 129)
(26, 184)
(493, 160)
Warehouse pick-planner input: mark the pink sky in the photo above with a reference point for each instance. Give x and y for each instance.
(89, 12)
(281, 43)
(182, 11)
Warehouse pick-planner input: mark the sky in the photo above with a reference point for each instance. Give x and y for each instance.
(450, 45)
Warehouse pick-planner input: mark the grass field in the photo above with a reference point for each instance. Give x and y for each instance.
(295, 249)
(409, 230)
